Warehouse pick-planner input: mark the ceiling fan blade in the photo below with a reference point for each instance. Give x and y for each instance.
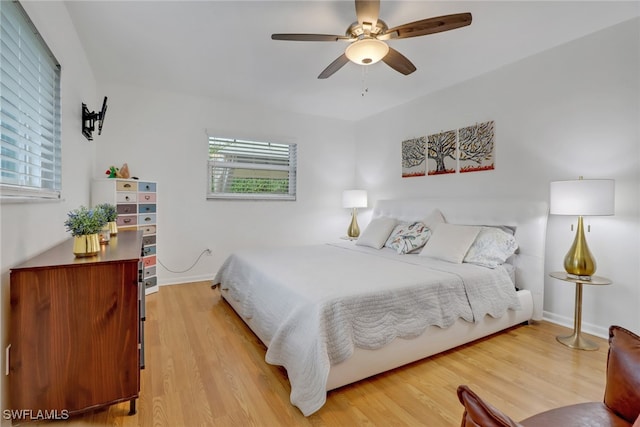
(334, 66)
(398, 62)
(309, 37)
(368, 11)
(430, 26)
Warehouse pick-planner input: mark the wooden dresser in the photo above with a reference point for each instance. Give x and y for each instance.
(76, 328)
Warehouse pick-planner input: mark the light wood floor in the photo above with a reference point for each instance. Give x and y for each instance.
(206, 368)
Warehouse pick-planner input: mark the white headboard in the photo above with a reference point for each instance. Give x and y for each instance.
(529, 219)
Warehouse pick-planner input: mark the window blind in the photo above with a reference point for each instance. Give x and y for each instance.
(30, 152)
(241, 169)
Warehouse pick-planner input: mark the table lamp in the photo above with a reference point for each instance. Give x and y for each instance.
(581, 197)
(354, 199)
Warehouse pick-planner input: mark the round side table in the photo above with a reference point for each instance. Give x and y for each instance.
(576, 340)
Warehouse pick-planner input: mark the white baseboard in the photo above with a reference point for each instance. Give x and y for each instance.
(189, 279)
(587, 328)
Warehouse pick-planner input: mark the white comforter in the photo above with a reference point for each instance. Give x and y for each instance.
(312, 305)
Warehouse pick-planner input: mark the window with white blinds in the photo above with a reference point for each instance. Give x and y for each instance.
(30, 152)
(240, 169)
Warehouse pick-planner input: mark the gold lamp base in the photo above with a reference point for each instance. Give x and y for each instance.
(354, 231)
(578, 342)
(579, 262)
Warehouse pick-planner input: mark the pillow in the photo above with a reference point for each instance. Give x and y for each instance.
(433, 219)
(491, 247)
(407, 238)
(450, 242)
(377, 232)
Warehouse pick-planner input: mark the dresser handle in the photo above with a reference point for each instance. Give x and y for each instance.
(147, 197)
(127, 220)
(147, 219)
(147, 187)
(127, 186)
(126, 198)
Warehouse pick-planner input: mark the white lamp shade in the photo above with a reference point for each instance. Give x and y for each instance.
(366, 51)
(582, 197)
(354, 199)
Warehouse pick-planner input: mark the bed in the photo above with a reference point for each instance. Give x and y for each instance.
(336, 313)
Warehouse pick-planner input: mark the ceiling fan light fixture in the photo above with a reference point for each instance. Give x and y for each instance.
(366, 51)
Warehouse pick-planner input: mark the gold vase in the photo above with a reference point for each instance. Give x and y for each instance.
(113, 227)
(86, 245)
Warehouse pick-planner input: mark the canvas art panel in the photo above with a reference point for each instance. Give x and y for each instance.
(441, 153)
(414, 157)
(476, 147)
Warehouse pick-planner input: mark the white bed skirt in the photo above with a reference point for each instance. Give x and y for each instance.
(365, 363)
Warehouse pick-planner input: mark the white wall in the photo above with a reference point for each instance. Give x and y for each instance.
(29, 228)
(570, 111)
(161, 136)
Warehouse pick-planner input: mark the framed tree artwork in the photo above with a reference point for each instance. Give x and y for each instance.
(413, 157)
(476, 147)
(441, 153)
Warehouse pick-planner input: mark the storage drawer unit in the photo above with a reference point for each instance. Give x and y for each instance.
(136, 203)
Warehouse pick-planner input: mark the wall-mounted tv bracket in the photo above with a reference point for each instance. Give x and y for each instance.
(89, 119)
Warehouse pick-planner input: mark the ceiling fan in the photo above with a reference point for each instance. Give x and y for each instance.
(367, 37)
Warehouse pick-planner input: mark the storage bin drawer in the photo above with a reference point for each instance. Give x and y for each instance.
(147, 187)
(149, 250)
(147, 219)
(148, 240)
(147, 197)
(146, 208)
(150, 282)
(149, 261)
(126, 197)
(149, 272)
(129, 208)
(126, 220)
(125, 186)
(149, 229)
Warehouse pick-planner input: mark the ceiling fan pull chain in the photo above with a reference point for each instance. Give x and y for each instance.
(365, 72)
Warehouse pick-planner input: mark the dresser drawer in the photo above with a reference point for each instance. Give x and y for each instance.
(148, 229)
(126, 186)
(150, 282)
(147, 187)
(149, 250)
(147, 197)
(147, 219)
(126, 197)
(148, 240)
(149, 272)
(148, 208)
(126, 209)
(126, 220)
(149, 261)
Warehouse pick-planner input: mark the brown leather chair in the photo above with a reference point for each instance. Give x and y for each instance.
(620, 407)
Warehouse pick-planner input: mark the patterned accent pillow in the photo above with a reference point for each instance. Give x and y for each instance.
(491, 248)
(408, 237)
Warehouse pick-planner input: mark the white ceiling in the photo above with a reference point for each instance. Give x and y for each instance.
(223, 49)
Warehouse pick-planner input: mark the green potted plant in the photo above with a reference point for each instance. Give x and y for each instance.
(111, 214)
(84, 225)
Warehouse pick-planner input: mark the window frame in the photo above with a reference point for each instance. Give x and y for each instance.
(30, 115)
(290, 167)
